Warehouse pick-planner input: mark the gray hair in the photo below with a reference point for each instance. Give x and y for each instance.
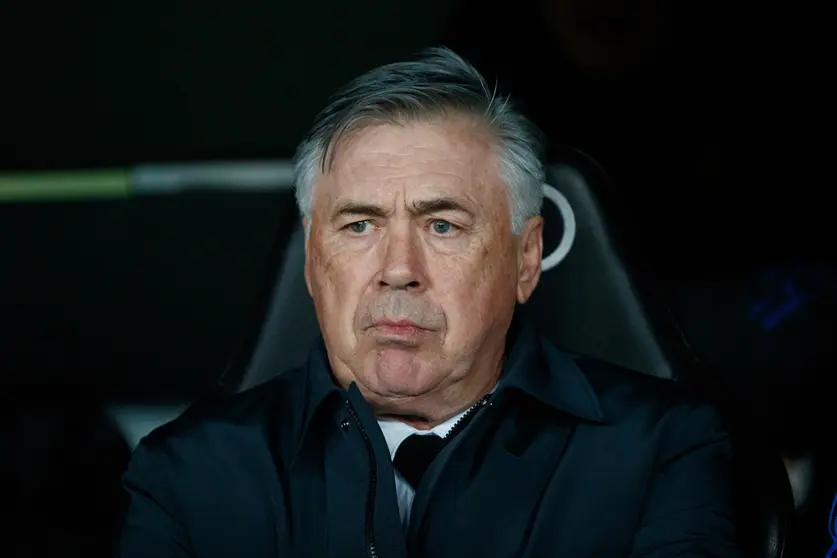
(438, 83)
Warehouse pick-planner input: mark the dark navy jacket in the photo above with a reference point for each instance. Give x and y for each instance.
(571, 458)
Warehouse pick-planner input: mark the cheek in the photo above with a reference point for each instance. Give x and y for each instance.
(339, 282)
(472, 288)
(498, 267)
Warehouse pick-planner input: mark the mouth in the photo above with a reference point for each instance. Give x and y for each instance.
(403, 328)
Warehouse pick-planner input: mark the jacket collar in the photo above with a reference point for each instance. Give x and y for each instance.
(533, 367)
(537, 369)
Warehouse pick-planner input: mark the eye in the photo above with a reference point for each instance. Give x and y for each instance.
(358, 227)
(439, 226)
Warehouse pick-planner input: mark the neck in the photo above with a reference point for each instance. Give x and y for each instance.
(434, 408)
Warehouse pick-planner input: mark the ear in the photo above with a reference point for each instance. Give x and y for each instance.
(530, 258)
(306, 266)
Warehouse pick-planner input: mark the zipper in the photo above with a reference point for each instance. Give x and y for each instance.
(459, 425)
(371, 544)
(463, 421)
(450, 442)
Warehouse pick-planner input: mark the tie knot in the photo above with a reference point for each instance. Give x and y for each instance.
(415, 454)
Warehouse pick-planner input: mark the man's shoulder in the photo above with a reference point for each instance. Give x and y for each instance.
(238, 417)
(232, 444)
(627, 395)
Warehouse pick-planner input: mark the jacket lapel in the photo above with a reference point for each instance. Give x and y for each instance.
(483, 491)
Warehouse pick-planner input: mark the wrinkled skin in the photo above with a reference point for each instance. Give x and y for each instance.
(413, 266)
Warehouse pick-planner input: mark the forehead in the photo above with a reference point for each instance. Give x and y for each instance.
(414, 159)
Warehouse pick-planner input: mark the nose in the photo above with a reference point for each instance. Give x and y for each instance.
(403, 265)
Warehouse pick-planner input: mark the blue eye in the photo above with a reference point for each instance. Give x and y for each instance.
(441, 227)
(359, 227)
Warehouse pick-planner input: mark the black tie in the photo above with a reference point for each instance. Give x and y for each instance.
(415, 454)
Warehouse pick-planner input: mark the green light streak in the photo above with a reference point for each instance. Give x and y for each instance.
(64, 186)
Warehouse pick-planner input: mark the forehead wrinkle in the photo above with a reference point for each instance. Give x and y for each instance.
(370, 157)
(442, 137)
(413, 163)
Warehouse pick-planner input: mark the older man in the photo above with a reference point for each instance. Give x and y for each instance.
(430, 421)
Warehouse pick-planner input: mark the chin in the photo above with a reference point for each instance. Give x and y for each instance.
(400, 373)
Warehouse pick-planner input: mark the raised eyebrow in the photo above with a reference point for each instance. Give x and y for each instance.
(423, 207)
(358, 209)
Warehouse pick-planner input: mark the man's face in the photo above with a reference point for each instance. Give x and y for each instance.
(411, 260)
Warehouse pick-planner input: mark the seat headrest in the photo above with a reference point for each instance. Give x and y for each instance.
(588, 301)
(287, 328)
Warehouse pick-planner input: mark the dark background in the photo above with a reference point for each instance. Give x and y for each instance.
(98, 83)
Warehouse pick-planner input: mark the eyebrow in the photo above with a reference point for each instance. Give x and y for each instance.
(423, 207)
(420, 207)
